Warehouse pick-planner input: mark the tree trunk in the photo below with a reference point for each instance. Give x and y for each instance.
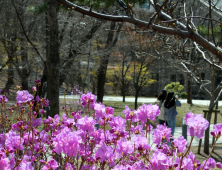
(42, 90)
(94, 88)
(123, 80)
(136, 97)
(25, 69)
(123, 89)
(110, 43)
(10, 81)
(189, 92)
(102, 78)
(43, 79)
(103, 65)
(207, 132)
(53, 61)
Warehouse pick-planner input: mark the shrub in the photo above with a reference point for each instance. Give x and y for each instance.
(73, 142)
(183, 95)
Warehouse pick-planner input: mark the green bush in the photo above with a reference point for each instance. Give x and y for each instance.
(183, 95)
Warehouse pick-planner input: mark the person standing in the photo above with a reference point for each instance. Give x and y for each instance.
(170, 105)
(160, 99)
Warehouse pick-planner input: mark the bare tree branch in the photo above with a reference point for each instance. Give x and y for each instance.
(23, 29)
(184, 32)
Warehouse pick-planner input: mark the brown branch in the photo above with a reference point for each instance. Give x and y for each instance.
(23, 29)
(183, 33)
(173, 20)
(155, 14)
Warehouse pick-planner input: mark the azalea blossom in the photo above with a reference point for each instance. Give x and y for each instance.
(130, 114)
(86, 124)
(88, 99)
(179, 145)
(51, 164)
(3, 99)
(161, 133)
(67, 142)
(145, 112)
(141, 143)
(197, 125)
(23, 96)
(217, 130)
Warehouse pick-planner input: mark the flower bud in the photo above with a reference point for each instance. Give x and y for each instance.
(42, 111)
(218, 165)
(112, 131)
(47, 129)
(19, 123)
(73, 113)
(34, 89)
(34, 113)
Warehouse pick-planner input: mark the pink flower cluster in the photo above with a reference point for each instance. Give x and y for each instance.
(197, 124)
(145, 112)
(217, 130)
(88, 99)
(73, 142)
(23, 96)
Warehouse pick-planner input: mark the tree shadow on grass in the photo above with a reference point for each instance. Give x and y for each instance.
(216, 155)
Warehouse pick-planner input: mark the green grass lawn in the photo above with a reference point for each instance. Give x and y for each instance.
(182, 111)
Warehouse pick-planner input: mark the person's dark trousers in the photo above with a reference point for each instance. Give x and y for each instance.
(161, 122)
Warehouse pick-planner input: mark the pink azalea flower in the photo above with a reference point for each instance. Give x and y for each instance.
(26, 165)
(162, 132)
(102, 112)
(3, 99)
(88, 99)
(36, 122)
(44, 136)
(195, 162)
(42, 111)
(76, 115)
(121, 167)
(2, 140)
(138, 130)
(4, 163)
(197, 125)
(23, 96)
(37, 99)
(189, 115)
(217, 130)
(104, 153)
(141, 143)
(34, 88)
(52, 164)
(86, 124)
(13, 141)
(218, 165)
(150, 112)
(164, 148)
(67, 121)
(67, 142)
(159, 160)
(44, 102)
(38, 82)
(124, 148)
(109, 110)
(179, 145)
(130, 114)
(211, 163)
(117, 122)
(186, 164)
